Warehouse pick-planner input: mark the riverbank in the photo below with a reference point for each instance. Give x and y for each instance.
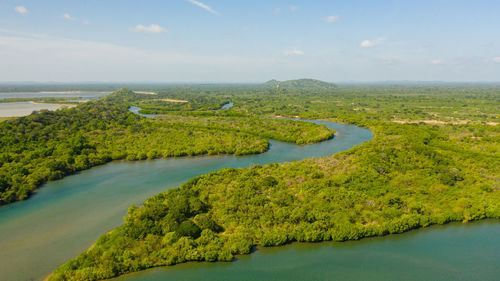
(73, 92)
(454, 251)
(348, 196)
(6, 118)
(66, 216)
(67, 105)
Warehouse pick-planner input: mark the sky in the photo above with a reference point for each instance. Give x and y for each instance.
(249, 41)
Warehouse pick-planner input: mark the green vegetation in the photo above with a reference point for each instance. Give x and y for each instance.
(304, 84)
(196, 103)
(6, 118)
(60, 100)
(48, 145)
(278, 129)
(411, 175)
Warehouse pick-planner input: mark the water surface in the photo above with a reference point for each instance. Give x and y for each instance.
(66, 216)
(82, 95)
(452, 252)
(136, 109)
(17, 109)
(227, 105)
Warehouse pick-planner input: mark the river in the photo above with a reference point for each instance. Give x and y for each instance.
(66, 216)
(441, 253)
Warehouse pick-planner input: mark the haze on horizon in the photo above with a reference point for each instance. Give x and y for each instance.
(249, 41)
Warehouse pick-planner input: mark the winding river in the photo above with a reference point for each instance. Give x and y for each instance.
(66, 216)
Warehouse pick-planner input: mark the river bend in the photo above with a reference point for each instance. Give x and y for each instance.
(66, 216)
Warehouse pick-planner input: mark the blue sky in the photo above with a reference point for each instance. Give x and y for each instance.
(249, 41)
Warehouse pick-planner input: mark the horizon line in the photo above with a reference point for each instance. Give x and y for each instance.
(250, 82)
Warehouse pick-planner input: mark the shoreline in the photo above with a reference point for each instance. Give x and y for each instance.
(69, 105)
(26, 110)
(256, 247)
(74, 92)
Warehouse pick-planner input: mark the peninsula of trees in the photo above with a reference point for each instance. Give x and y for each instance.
(49, 145)
(435, 158)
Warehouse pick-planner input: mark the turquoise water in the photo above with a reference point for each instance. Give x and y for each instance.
(66, 216)
(227, 105)
(136, 109)
(452, 252)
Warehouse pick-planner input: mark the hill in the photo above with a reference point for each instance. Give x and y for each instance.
(300, 84)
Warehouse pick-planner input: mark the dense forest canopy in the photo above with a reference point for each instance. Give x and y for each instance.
(435, 158)
(48, 145)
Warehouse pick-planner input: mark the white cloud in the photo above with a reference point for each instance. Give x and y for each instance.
(331, 19)
(20, 9)
(436, 62)
(68, 17)
(294, 52)
(86, 22)
(294, 8)
(24, 57)
(203, 6)
(496, 59)
(367, 44)
(371, 43)
(154, 28)
(109, 62)
(277, 11)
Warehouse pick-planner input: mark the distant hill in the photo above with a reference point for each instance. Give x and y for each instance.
(300, 84)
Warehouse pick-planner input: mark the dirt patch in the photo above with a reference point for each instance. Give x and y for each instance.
(171, 100)
(145, 93)
(458, 122)
(439, 122)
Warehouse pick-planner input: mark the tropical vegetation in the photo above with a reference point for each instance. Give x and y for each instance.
(49, 145)
(435, 158)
